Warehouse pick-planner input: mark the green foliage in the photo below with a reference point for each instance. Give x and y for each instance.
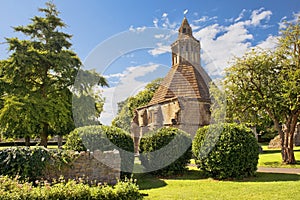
(87, 101)
(127, 107)
(104, 138)
(23, 162)
(12, 189)
(226, 151)
(36, 78)
(29, 163)
(267, 83)
(165, 151)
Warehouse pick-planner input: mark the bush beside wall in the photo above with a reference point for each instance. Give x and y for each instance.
(104, 138)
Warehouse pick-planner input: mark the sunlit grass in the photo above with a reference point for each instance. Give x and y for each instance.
(272, 158)
(193, 185)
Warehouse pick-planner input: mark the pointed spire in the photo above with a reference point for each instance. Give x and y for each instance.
(185, 28)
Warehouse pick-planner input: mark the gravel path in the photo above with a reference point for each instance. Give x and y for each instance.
(279, 170)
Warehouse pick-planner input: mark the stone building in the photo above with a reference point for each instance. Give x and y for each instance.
(183, 98)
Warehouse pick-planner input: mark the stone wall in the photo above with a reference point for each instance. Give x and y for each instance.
(91, 167)
(276, 142)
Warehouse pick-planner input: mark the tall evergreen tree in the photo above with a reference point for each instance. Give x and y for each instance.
(36, 77)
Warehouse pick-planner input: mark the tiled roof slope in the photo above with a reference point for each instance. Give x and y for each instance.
(182, 81)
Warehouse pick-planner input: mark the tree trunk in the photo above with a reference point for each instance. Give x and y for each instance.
(27, 141)
(290, 127)
(59, 141)
(44, 136)
(288, 156)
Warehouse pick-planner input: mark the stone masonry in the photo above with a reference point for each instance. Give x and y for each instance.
(91, 167)
(183, 98)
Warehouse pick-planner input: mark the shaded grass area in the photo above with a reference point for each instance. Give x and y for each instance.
(194, 185)
(272, 158)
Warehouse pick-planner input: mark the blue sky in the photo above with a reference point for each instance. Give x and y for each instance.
(128, 41)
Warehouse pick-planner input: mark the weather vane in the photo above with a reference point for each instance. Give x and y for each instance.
(185, 12)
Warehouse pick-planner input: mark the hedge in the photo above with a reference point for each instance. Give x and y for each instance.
(226, 151)
(104, 138)
(29, 163)
(165, 151)
(12, 189)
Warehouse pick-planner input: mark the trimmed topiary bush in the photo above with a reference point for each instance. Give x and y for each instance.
(104, 138)
(165, 151)
(226, 151)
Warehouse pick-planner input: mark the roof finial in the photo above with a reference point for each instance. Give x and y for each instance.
(185, 12)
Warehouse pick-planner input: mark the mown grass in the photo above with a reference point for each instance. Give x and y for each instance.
(272, 158)
(193, 185)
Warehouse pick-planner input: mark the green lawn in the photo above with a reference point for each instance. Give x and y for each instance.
(272, 158)
(193, 185)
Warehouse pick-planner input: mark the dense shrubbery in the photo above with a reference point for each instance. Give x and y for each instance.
(23, 162)
(165, 151)
(29, 163)
(104, 138)
(226, 151)
(11, 189)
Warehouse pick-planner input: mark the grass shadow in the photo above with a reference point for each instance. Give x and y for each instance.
(280, 164)
(191, 174)
(271, 151)
(147, 181)
(271, 177)
(272, 164)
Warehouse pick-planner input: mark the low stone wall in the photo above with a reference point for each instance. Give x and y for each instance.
(276, 142)
(91, 167)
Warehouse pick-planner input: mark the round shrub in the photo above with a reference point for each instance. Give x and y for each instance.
(226, 151)
(104, 138)
(165, 151)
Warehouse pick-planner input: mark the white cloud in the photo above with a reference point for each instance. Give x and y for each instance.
(282, 23)
(230, 20)
(137, 29)
(159, 36)
(270, 43)
(241, 15)
(161, 49)
(155, 22)
(205, 19)
(194, 28)
(221, 43)
(118, 75)
(164, 15)
(128, 85)
(258, 15)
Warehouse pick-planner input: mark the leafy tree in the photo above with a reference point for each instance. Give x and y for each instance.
(36, 76)
(127, 107)
(87, 100)
(268, 83)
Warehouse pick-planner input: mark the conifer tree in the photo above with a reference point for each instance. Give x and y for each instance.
(36, 77)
